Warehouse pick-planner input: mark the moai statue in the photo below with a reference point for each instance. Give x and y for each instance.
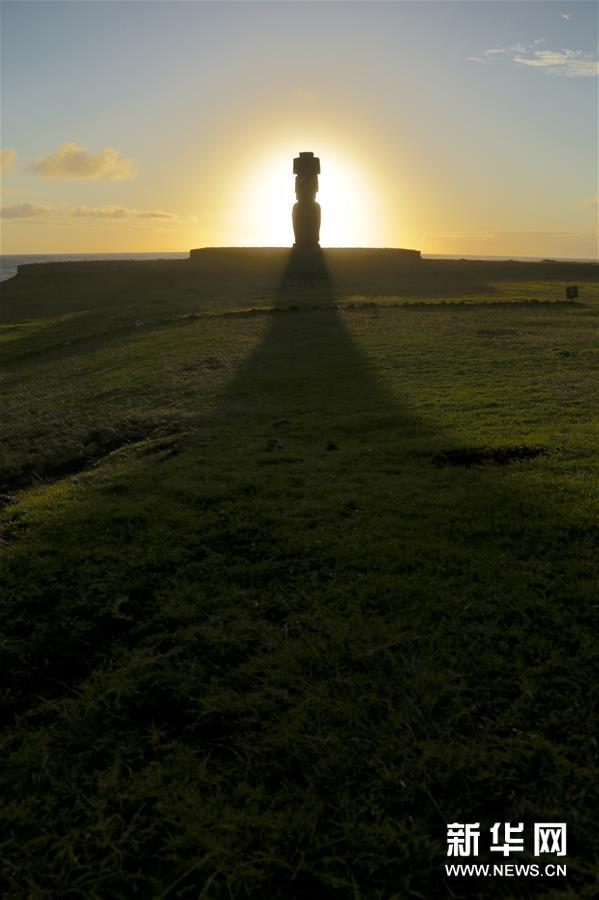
(306, 212)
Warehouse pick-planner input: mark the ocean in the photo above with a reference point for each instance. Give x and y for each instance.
(9, 263)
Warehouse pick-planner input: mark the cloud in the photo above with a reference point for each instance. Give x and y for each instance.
(156, 214)
(71, 160)
(566, 16)
(24, 211)
(569, 63)
(123, 212)
(591, 202)
(120, 213)
(7, 157)
(305, 94)
(513, 48)
(479, 59)
(539, 244)
(100, 212)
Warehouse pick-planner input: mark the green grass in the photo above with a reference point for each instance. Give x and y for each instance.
(260, 641)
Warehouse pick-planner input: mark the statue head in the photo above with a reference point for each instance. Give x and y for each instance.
(306, 168)
(306, 164)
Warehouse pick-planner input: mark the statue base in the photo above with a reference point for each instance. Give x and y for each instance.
(355, 268)
(366, 257)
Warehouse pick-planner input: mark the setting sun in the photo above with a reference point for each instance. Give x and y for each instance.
(266, 198)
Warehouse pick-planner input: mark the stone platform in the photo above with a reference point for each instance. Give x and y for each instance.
(340, 264)
(331, 255)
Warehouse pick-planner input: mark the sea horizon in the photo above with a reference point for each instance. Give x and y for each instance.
(9, 262)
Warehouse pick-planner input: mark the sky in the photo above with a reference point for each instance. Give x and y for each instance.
(449, 126)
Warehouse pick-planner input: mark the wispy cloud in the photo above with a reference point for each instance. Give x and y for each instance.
(108, 212)
(491, 235)
(591, 202)
(24, 211)
(569, 63)
(566, 16)
(479, 59)
(305, 94)
(125, 212)
(510, 49)
(157, 214)
(7, 157)
(514, 243)
(71, 160)
(100, 212)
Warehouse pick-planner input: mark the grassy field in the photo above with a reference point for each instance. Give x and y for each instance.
(296, 571)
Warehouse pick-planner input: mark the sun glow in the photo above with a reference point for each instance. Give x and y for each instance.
(267, 197)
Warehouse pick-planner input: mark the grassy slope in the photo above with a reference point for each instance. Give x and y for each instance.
(242, 663)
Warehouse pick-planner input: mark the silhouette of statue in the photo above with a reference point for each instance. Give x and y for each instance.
(306, 212)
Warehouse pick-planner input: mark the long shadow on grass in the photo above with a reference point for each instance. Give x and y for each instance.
(412, 619)
(311, 649)
(307, 360)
